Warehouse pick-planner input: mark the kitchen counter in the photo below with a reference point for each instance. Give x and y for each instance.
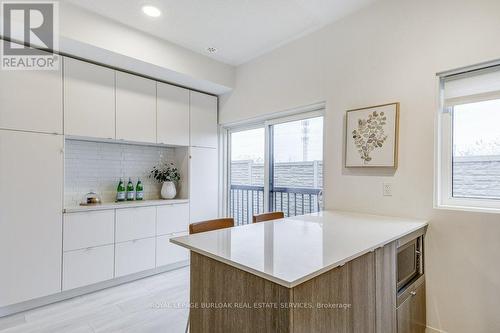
(124, 204)
(291, 251)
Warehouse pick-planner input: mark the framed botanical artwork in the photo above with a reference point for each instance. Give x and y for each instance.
(372, 136)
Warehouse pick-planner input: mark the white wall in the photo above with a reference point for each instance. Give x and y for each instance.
(390, 52)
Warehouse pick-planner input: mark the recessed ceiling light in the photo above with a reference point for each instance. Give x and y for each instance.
(151, 11)
(211, 50)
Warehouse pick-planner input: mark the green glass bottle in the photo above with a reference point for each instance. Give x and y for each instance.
(130, 190)
(139, 190)
(120, 191)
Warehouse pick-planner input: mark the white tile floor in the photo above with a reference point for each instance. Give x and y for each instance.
(138, 306)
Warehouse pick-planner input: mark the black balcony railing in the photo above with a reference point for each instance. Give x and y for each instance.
(245, 201)
(296, 201)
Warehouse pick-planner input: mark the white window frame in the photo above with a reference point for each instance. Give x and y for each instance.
(443, 191)
(310, 111)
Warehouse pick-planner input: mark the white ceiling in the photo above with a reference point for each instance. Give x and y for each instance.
(240, 29)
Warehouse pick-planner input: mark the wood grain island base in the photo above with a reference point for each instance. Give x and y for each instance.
(325, 273)
(344, 299)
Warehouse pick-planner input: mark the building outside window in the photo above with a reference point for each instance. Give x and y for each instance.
(469, 140)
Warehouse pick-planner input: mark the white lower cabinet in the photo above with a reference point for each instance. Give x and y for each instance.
(87, 266)
(134, 256)
(107, 244)
(172, 218)
(169, 253)
(135, 223)
(88, 229)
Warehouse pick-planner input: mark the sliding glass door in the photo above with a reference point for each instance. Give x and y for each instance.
(296, 169)
(247, 156)
(276, 166)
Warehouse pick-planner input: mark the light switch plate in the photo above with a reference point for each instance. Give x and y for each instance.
(387, 189)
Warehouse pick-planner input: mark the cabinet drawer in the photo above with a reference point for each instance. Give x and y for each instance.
(134, 256)
(169, 253)
(135, 223)
(87, 266)
(89, 99)
(411, 316)
(88, 229)
(171, 219)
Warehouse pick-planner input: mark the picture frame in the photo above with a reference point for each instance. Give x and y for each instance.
(372, 137)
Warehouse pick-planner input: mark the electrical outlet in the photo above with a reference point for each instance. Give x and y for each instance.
(387, 189)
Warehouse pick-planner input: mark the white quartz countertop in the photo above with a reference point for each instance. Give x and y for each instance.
(293, 250)
(124, 204)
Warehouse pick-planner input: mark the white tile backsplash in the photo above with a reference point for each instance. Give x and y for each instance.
(98, 166)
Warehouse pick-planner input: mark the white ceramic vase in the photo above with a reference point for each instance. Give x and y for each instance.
(168, 190)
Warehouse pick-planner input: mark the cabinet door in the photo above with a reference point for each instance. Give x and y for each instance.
(134, 256)
(135, 108)
(31, 100)
(169, 253)
(172, 124)
(135, 223)
(88, 229)
(89, 100)
(172, 218)
(87, 266)
(203, 180)
(203, 120)
(31, 192)
(411, 313)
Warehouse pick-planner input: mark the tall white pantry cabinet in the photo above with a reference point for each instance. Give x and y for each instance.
(98, 103)
(204, 158)
(31, 184)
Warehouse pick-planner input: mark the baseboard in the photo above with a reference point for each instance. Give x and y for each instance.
(433, 330)
(64, 295)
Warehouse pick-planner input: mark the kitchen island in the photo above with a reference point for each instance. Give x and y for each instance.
(326, 272)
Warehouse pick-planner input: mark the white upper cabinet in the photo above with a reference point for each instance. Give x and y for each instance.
(173, 115)
(203, 120)
(135, 108)
(31, 192)
(203, 189)
(31, 100)
(89, 100)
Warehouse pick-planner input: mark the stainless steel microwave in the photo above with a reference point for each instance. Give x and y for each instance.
(410, 265)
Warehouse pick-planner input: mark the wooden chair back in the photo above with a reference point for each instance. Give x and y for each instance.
(210, 225)
(268, 217)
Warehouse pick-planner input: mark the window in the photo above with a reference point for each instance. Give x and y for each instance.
(246, 176)
(275, 165)
(296, 170)
(469, 141)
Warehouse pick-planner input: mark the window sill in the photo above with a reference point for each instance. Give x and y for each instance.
(465, 208)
